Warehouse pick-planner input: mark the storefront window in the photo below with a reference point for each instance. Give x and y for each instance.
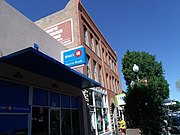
(66, 122)
(74, 102)
(54, 99)
(65, 101)
(75, 122)
(54, 122)
(39, 121)
(106, 119)
(99, 119)
(90, 98)
(37, 93)
(98, 100)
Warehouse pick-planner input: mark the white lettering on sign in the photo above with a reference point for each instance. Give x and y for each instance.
(69, 56)
(3, 107)
(79, 61)
(52, 29)
(56, 32)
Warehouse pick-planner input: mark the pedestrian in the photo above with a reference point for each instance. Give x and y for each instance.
(122, 124)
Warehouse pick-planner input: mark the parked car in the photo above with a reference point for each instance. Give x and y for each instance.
(175, 124)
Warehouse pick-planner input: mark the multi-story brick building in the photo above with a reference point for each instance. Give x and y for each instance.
(38, 94)
(73, 27)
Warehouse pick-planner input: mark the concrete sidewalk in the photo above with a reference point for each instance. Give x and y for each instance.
(134, 131)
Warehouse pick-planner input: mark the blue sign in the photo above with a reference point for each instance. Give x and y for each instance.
(74, 57)
(11, 108)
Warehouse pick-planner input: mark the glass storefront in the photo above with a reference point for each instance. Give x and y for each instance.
(47, 113)
(54, 122)
(39, 121)
(98, 112)
(75, 122)
(66, 122)
(56, 114)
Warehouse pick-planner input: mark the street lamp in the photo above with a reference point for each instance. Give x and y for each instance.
(136, 70)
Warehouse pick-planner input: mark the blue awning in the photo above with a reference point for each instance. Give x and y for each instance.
(37, 62)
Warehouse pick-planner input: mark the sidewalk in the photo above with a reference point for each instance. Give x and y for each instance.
(134, 131)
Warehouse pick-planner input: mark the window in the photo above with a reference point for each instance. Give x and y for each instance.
(110, 82)
(115, 67)
(39, 121)
(65, 101)
(97, 48)
(88, 66)
(110, 62)
(86, 36)
(106, 118)
(103, 53)
(106, 58)
(95, 71)
(92, 43)
(107, 80)
(113, 88)
(40, 97)
(54, 122)
(90, 98)
(13, 93)
(99, 119)
(100, 75)
(74, 102)
(66, 122)
(54, 99)
(117, 86)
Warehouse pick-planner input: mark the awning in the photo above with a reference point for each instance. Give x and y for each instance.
(37, 62)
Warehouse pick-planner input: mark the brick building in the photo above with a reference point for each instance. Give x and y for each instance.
(38, 94)
(73, 27)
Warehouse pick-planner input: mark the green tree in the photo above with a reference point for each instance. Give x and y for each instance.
(175, 107)
(144, 98)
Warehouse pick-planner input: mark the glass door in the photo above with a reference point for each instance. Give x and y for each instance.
(39, 121)
(66, 122)
(54, 122)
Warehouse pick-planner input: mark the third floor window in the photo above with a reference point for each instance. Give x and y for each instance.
(86, 36)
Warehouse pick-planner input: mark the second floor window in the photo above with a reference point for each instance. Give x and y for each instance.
(95, 71)
(100, 75)
(88, 66)
(107, 81)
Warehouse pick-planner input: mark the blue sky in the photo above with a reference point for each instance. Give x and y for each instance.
(152, 26)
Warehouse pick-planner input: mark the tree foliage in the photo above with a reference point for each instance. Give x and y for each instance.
(143, 100)
(175, 107)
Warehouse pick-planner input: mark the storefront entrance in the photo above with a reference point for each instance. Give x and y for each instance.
(54, 113)
(61, 121)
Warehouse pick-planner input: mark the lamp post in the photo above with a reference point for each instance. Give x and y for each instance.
(136, 70)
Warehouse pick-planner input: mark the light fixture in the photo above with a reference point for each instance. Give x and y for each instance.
(54, 85)
(18, 75)
(135, 68)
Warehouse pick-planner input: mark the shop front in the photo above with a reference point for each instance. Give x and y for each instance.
(28, 106)
(98, 106)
